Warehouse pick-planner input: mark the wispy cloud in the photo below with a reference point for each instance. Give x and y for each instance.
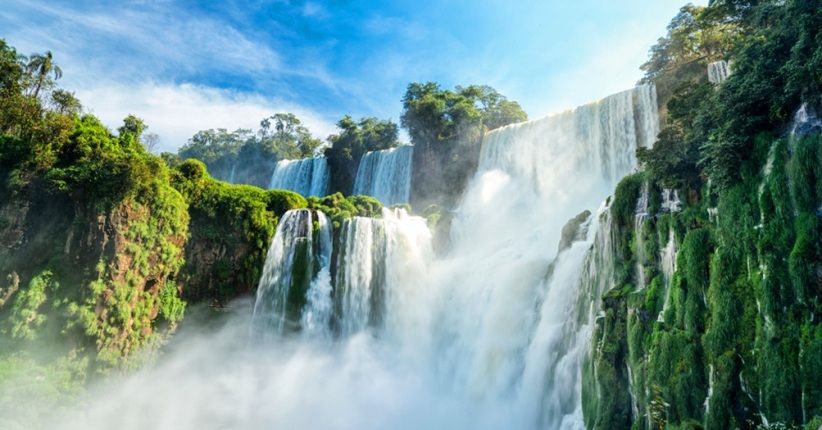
(176, 112)
(157, 36)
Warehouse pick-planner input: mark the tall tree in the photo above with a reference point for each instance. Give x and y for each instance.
(41, 66)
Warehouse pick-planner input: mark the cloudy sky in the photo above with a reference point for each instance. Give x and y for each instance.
(184, 65)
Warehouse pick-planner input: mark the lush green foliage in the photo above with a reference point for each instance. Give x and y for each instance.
(225, 259)
(104, 228)
(351, 143)
(729, 340)
(775, 54)
(446, 127)
(339, 207)
(244, 156)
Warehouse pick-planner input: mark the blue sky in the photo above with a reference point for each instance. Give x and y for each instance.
(186, 65)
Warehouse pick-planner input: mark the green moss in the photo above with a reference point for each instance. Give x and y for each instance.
(338, 207)
(236, 222)
(26, 314)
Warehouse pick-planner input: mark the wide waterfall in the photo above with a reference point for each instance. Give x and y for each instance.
(386, 175)
(308, 176)
(381, 333)
(376, 261)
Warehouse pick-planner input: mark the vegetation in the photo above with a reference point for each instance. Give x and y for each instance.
(225, 259)
(446, 128)
(728, 341)
(353, 141)
(244, 156)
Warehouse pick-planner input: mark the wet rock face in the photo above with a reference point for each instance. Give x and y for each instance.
(574, 230)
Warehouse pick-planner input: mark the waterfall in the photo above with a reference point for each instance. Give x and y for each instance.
(718, 71)
(308, 176)
(386, 175)
(495, 338)
(378, 261)
(490, 334)
(668, 261)
(670, 201)
(360, 274)
(640, 215)
(232, 178)
(317, 313)
(295, 266)
(805, 122)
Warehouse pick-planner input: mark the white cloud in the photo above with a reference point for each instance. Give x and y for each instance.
(176, 111)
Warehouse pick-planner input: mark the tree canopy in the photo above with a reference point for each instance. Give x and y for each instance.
(354, 139)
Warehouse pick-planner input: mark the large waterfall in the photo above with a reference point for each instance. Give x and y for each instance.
(308, 176)
(493, 333)
(386, 175)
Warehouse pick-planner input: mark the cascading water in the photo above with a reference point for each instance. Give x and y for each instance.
(640, 215)
(532, 178)
(386, 175)
(668, 262)
(380, 263)
(492, 334)
(718, 71)
(295, 268)
(308, 176)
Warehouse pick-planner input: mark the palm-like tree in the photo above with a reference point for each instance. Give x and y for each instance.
(41, 65)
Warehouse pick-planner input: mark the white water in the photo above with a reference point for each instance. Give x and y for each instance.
(670, 200)
(491, 335)
(308, 176)
(640, 215)
(293, 240)
(805, 121)
(386, 175)
(718, 71)
(316, 316)
(668, 261)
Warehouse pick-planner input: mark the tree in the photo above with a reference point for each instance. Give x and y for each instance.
(65, 103)
(287, 136)
(446, 127)
(150, 141)
(351, 143)
(42, 65)
(132, 128)
(11, 71)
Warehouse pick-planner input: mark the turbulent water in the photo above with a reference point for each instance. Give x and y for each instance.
(492, 334)
(308, 176)
(386, 175)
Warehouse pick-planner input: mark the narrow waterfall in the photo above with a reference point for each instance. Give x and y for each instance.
(668, 262)
(805, 121)
(318, 308)
(232, 175)
(718, 71)
(386, 175)
(640, 215)
(295, 268)
(308, 176)
(670, 201)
